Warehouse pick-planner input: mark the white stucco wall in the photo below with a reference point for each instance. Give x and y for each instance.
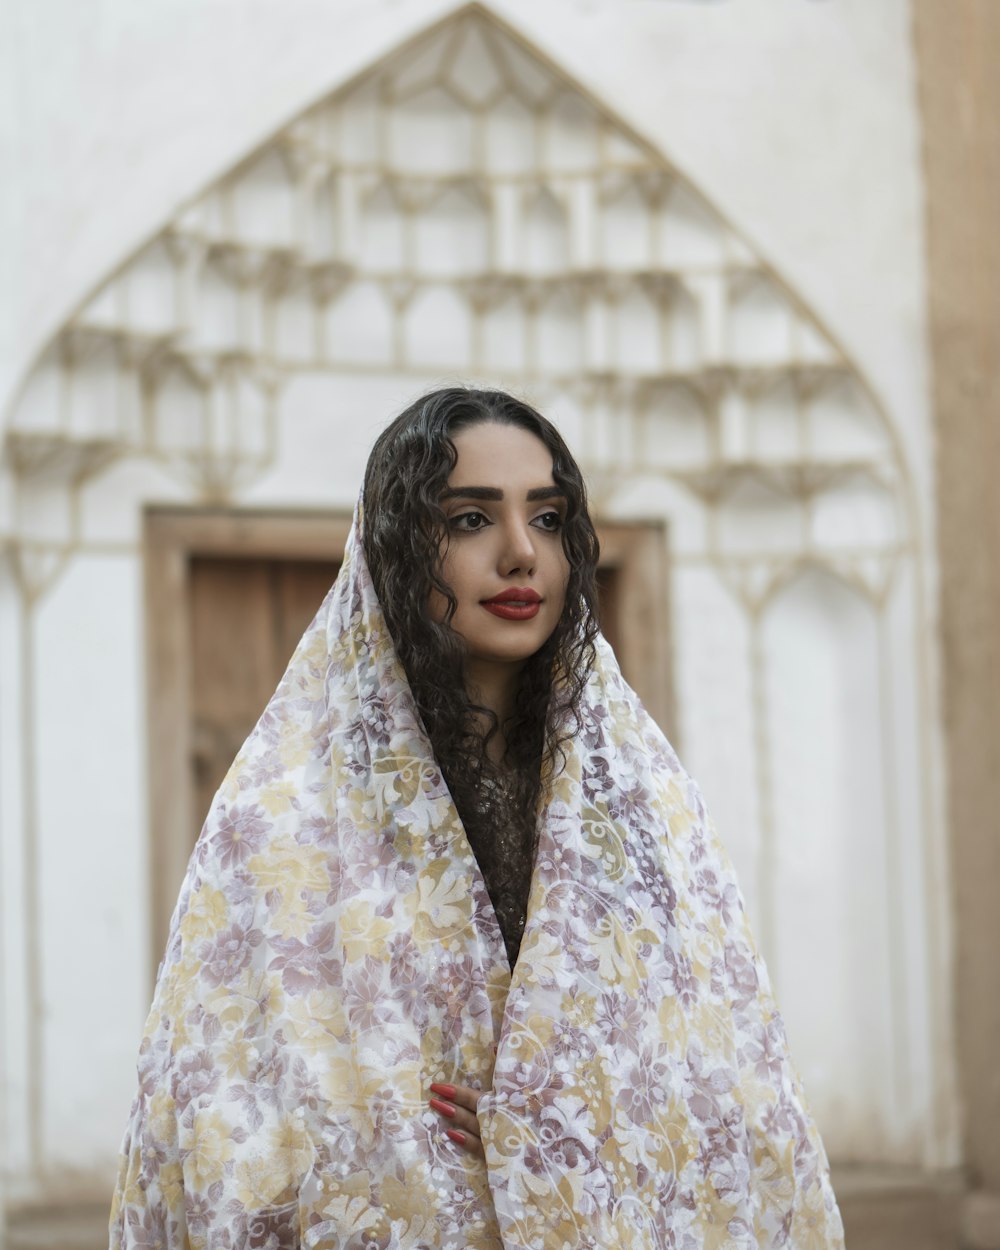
(797, 117)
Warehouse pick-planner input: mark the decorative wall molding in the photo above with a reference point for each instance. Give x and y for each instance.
(464, 209)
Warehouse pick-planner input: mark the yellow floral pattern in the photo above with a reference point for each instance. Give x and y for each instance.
(334, 951)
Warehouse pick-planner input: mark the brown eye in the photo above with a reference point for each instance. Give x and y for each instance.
(469, 522)
(550, 521)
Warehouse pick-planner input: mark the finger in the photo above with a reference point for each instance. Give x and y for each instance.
(464, 1096)
(456, 1117)
(467, 1142)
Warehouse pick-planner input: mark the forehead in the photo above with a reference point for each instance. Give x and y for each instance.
(492, 455)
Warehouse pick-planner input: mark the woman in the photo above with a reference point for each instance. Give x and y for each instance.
(458, 961)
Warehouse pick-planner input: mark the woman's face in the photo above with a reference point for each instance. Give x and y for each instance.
(503, 556)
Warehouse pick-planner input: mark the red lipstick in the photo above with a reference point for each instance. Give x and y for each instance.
(514, 604)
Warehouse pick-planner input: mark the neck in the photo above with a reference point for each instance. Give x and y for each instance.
(493, 686)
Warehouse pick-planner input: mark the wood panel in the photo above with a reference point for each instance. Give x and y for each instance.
(635, 613)
(246, 619)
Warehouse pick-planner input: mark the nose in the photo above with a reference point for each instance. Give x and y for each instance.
(518, 552)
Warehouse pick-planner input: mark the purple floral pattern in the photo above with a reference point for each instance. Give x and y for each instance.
(334, 950)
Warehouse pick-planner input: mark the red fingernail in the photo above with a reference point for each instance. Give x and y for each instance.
(443, 1108)
(446, 1091)
(456, 1136)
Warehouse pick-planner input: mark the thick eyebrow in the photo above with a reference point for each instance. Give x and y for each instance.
(493, 494)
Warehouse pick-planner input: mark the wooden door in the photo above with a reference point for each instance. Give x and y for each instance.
(230, 593)
(247, 617)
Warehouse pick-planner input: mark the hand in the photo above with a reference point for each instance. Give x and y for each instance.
(456, 1105)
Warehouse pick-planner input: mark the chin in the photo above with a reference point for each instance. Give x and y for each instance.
(515, 648)
(515, 653)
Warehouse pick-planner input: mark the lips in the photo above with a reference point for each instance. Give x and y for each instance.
(517, 603)
(516, 594)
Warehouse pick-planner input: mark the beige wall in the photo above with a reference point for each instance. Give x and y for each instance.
(959, 93)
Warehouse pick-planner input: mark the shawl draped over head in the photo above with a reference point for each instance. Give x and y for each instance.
(334, 951)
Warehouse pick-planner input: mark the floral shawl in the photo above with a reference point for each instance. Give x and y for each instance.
(334, 950)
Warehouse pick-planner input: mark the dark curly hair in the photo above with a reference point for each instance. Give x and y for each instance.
(404, 523)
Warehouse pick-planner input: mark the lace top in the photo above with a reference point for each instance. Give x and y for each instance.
(506, 865)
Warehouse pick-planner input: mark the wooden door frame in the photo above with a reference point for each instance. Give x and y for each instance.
(173, 537)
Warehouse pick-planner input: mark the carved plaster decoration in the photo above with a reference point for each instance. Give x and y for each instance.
(463, 208)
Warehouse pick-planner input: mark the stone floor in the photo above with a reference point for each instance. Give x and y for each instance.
(70, 1228)
(882, 1211)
